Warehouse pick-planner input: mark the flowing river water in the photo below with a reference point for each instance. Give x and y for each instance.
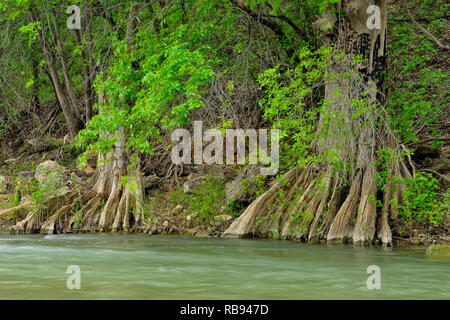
(135, 266)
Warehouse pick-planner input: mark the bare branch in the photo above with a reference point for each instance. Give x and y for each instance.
(425, 31)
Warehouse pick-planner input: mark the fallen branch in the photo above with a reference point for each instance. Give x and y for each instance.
(437, 173)
(425, 31)
(428, 140)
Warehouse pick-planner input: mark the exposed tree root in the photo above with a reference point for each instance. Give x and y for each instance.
(310, 207)
(108, 204)
(27, 225)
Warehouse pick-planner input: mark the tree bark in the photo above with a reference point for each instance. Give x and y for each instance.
(66, 74)
(73, 122)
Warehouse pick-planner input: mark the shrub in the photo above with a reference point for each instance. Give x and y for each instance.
(421, 202)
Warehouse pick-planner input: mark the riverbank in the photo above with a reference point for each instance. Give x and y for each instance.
(201, 203)
(167, 228)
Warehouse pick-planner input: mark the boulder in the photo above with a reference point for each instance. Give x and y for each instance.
(193, 181)
(150, 181)
(439, 250)
(244, 187)
(52, 177)
(38, 145)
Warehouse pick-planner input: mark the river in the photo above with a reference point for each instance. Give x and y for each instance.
(135, 266)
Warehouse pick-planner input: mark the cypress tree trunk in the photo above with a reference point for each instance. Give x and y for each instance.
(335, 200)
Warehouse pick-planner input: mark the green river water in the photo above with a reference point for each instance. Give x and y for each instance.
(172, 267)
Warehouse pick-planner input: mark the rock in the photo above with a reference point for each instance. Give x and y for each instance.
(441, 164)
(447, 183)
(52, 177)
(212, 170)
(38, 145)
(150, 181)
(189, 220)
(191, 232)
(223, 217)
(439, 250)
(25, 199)
(193, 181)
(202, 234)
(177, 210)
(244, 187)
(151, 230)
(191, 217)
(402, 243)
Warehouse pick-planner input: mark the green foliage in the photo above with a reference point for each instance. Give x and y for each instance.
(71, 153)
(157, 95)
(419, 87)
(301, 221)
(206, 202)
(259, 185)
(31, 30)
(236, 208)
(421, 202)
(291, 103)
(51, 185)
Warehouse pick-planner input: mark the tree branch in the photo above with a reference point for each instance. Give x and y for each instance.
(266, 21)
(425, 31)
